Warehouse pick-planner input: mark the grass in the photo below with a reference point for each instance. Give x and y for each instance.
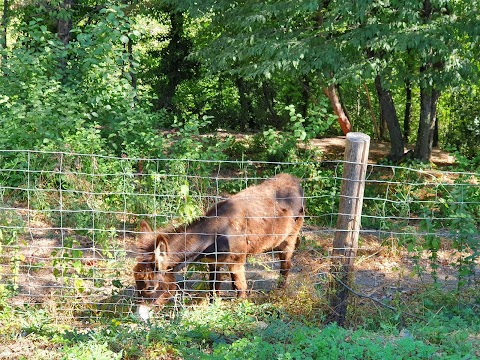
(246, 330)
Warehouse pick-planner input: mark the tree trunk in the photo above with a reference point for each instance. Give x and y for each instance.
(173, 56)
(4, 24)
(390, 115)
(174, 66)
(133, 75)
(305, 92)
(342, 103)
(245, 104)
(330, 91)
(4, 30)
(268, 93)
(426, 126)
(408, 110)
(435, 133)
(428, 102)
(376, 129)
(383, 125)
(64, 25)
(343, 120)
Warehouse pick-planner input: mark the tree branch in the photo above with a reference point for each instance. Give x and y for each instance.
(373, 299)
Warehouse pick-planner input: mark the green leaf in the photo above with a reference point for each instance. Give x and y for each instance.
(78, 266)
(117, 283)
(79, 285)
(184, 190)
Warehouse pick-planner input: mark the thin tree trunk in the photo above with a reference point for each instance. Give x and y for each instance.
(342, 103)
(426, 126)
(376, 129)
(64, 26)
(330, 91)
(343, 120)
(435, 133)
(269, 99)
(4, 30)
(133, 76)
(245, 103)
(383, 126)
(389, 113)
(4, 24)
(305, 92)
(408, 110)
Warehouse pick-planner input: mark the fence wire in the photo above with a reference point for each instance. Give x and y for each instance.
(69, 226)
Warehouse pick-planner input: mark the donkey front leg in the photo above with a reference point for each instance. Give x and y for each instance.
(285, 255)
(214, 278)
(238, 279)
(286, 249)
(285, 266)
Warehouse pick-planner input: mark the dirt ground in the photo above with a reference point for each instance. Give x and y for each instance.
(334, 148)
(382, 271)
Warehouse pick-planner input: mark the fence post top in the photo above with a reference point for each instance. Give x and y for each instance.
(357, 137)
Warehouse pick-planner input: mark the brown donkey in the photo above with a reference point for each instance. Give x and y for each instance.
(258, 219)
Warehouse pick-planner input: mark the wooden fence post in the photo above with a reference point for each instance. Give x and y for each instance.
(345, 242)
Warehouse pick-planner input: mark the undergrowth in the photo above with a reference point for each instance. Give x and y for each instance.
(447, 326)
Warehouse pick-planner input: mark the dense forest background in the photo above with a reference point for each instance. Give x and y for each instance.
(126, 78)
(154, 86)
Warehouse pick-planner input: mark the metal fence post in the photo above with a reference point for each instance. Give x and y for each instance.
(345, 242)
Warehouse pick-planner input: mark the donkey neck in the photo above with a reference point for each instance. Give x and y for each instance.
(185, 246)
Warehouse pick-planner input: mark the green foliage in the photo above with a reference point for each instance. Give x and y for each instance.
(90, 350)
(459, 113)
(189, 144)
(430, 215)
(317, 122)
(245, 330)
(283, 53)
(88, 105)
(212, 96)
(10, 255)
(287, 43)
(461, 207)
(99, 85)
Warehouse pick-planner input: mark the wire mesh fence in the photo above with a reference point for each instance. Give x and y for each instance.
(69, 226)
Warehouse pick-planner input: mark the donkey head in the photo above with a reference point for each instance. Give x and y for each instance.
(153, 276)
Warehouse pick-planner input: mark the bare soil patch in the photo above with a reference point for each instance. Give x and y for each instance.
(382, 271)
(334, 149)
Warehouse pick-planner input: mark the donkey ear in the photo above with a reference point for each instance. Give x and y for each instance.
(161, 249)
(146, 232)
(144, 227)
(161, 245)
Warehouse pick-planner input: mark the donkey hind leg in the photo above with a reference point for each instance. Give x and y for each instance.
(214, 280)
(237, 271)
